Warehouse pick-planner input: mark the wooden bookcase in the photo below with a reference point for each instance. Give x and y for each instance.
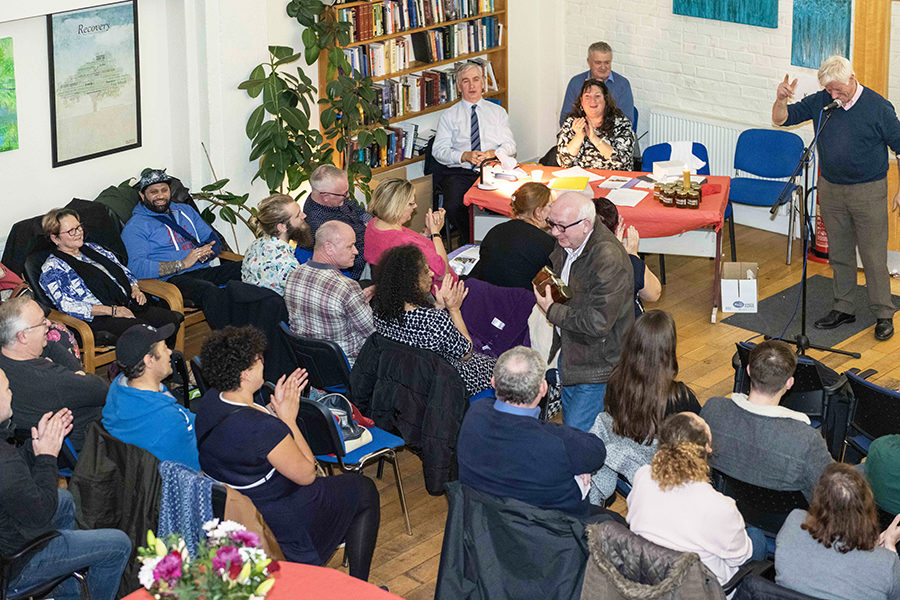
(497, 56)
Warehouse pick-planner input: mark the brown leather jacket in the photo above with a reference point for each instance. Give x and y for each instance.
(594, 321)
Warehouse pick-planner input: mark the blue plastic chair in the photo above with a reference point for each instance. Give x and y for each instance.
(875, 412)
(634, 121)
(768, 153)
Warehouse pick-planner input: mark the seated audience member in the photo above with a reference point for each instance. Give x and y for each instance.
(504, 449)
(469, 132)
(265, 456)
(330, 200)
(139, 409)
(640, 393)
(45, 381)
(834, 551)
(393, 204)
(31, 504)
(174, 243)
(882, 469)
(324, 304)
(673, 504)
(88, 282)
(513, 252)
(405, 313)
(760, 442)
(595, 135)
(599, 60)
(270, 258)
(647, 287)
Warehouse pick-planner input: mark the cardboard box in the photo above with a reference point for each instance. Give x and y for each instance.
(739, 289)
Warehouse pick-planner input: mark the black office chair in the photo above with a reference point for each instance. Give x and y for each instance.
(323, 360)
(875, 412)
(198, 375)
(761, 507)
(762, 586)
(16, 561)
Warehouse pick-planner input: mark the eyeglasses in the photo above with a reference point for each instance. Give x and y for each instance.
(74, 231)
(45, 322)
(562, 228)
(343, 196)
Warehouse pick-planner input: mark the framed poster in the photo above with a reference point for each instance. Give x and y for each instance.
(762, 13)
(95, 95)
(9, 127)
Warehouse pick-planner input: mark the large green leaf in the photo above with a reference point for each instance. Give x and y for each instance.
(280, 52)
(381, 137)
(294, 118)
(288, 59)
(328, 117)
(365, 139)
(255, 121)
(216, 185)
(228, 214)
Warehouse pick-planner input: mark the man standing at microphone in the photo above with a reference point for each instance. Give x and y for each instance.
(853, 159)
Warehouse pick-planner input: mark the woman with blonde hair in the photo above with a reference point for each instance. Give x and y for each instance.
(673, 504)
(833, 551)
(392, 205)
(513, 252)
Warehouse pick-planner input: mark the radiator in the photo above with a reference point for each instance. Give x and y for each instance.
(719, 137)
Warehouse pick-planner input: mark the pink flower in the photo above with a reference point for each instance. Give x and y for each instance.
(53, 335)
(169, 568)
(248, 538)
(227, 557)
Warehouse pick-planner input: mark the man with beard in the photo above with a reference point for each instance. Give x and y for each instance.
(330, 200)
(174, 243)
(324, 304)
(270, 259)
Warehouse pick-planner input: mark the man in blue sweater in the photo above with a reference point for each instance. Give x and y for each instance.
(174, 243)
(504, 449)
(599, 60)
(853, 184)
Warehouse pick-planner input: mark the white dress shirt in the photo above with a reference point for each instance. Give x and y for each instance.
(453, 135)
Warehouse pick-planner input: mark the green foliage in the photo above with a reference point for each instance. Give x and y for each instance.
(231, 207)
(349, 106)
(281, 139)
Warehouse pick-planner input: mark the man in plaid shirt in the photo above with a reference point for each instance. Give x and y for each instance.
(322, 302)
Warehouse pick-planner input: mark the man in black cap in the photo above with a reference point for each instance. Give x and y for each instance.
(175, 244)
(139, 409)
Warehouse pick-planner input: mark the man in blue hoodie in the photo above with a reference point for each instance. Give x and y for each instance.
(139, 409)
(174, 243)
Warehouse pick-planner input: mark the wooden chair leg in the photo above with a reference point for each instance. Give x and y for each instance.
(731, 239)
(662, 269)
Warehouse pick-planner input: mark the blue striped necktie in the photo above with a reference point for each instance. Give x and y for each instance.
(474, 136)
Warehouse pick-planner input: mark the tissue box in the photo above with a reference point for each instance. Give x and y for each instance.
(739, 287)
(668, 168)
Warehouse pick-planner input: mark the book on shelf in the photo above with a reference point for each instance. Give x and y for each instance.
(376, 19)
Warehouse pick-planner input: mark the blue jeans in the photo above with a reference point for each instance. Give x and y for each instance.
(105, 551)
(582, 403)
(762, 544)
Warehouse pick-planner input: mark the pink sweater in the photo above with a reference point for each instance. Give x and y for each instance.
(692, 517)
(378, 241)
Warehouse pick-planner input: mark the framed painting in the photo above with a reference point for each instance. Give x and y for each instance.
(95, 94)
(762, 13)
(9, 130)
(821, 29)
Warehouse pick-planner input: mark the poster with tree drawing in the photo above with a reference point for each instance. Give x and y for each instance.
(9, 126)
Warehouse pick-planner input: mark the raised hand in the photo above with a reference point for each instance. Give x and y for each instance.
(631, 240)
(47, 438)
(579, 126)
(286, 399)
(452, 293)
(786, 88)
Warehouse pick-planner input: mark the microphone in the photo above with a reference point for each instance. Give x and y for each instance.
(836, 104)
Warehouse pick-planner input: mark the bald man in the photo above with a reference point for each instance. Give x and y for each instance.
(324, 304)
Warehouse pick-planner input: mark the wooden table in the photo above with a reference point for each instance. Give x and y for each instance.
(663, 230)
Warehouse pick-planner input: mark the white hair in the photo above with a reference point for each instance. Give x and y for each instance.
(466, 66)
(325, 173)
(835, 68)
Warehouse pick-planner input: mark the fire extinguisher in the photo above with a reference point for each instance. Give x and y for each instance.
(818, 251)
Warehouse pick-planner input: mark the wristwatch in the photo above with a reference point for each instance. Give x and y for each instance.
(434, 235)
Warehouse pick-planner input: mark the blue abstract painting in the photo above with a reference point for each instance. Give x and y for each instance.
(821, 29)
(762, 13)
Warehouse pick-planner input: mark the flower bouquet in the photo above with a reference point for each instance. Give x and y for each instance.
(229, 565)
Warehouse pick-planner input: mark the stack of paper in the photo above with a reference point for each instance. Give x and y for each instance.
(626, 197)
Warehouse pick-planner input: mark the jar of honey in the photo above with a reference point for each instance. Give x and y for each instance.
(658, 192)
(668, 195)
(681, 199)
(693, 199)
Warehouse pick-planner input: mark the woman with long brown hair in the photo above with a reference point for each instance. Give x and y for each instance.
(595, 135)
(834, 551)
(673, 504)
(640, 392)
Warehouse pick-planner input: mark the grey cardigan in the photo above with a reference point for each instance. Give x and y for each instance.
(624, 457)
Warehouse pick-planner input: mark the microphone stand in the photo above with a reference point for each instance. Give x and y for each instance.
(802, 340)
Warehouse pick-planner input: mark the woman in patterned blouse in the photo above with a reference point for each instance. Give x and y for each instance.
(405, 312)
(595, 135)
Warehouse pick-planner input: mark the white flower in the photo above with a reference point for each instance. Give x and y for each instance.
(210, 525)
(145, 575)
(253, 555)
(221, 530)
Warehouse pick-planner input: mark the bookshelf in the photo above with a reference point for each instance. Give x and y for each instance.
(409, 48)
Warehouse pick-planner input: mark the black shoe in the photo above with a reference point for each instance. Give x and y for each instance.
(834, 319)
(884, 329)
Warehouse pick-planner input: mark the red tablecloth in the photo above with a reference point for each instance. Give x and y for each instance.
(649, 217)
(295, 581)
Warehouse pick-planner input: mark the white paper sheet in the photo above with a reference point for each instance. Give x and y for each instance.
(577, 172)
(615, 182)
(626, 197)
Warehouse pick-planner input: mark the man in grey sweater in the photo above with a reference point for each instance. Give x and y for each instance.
(759, 442)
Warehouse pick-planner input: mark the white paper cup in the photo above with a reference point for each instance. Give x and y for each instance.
(537, 175)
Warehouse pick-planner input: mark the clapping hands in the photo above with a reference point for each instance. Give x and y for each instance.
(434, 220)
(628, 236)
(451, 293)
(47, 437)
(286, 399)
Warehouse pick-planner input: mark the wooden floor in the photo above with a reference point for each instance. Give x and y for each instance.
(408, 565)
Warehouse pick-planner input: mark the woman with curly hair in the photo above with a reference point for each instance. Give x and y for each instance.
(673, 504)
(404, 312)
(834, 550)
(595, 135)
(640, 393)
(261, 452)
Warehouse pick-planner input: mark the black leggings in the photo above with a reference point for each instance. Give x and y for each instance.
(363, 530)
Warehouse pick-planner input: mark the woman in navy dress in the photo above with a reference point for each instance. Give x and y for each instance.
(261, 452)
